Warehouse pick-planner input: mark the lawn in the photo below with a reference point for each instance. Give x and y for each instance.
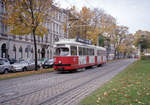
(130, 87)
(21, 74)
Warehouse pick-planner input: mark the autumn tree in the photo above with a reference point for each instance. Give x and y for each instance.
(88, 23)
(118, 38)
(126, 47)
(81, 26)
(95, 30)
(101, 40)
(142, 39)
(100, 25)
(27, 17)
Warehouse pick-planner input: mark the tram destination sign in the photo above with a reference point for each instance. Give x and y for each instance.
(85, 41)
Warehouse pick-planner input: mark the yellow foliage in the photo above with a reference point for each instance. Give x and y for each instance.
(82, 26)
(122, 48)
(93, 35)
(22, 18)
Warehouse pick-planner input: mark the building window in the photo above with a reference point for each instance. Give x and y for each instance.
(46, 38)
(60, 29)
(14, 36)
(31, 37)
(27, 51)
(56, 38)
(14, 49)
(26, 37)
(43, 52)
(60, 17)
(57, 28)
(31, 50)
(32, 53)
(20, 37)
(54, 27)
(42, 38)
(38, 38)
(50, 38)
(3, 50)
(21, 53)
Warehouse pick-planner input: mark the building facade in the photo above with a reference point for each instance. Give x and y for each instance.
(22, 47)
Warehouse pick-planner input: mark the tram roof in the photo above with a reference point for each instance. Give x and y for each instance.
(74, 42)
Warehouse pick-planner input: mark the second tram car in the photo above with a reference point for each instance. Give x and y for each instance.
(71, 54)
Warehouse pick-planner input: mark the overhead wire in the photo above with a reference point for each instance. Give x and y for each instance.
(91, 5)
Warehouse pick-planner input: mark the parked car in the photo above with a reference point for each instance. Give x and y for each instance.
(48, 63)
(5, 66)
(24, 66)
(41, 61)
(32, 63)
(12, 60)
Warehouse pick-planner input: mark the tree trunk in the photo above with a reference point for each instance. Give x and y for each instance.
(115, 54)
(107, 56)
(35, 49)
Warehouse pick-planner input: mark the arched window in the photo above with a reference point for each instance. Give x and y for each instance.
(46, 38)
(31, 50)
(43, 52)
(32, 53)
(56, 38)
(27, 51)
(14, 49)
(21, 53)
(3, 50)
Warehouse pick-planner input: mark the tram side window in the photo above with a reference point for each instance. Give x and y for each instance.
(84, 51)
(73, 50)
(92, 51)
(62, 52)
(80, 51)
(88, 51)
(98, 52)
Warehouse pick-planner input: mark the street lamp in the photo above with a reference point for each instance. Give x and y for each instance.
(70, 25)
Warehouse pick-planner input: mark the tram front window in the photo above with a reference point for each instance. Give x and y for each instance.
(62, 51)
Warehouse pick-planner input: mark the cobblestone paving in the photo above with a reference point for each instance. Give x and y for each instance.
(55, 88)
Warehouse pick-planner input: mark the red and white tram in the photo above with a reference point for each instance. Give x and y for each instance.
(71, 54)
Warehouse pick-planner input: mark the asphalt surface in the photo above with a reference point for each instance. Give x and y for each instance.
(58, 88)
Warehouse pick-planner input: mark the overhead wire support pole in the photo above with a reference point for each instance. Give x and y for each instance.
(70, 25)
(67, 18)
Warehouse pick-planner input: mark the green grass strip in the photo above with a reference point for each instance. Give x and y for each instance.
(130, 87)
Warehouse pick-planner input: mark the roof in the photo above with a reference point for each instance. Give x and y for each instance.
(74, 42)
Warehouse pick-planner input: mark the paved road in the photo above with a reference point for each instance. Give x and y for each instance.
(57, 89)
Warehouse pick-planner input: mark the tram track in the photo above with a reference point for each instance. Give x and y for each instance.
(52, 85)
(76, 77)
(15, 83)
(80, 85)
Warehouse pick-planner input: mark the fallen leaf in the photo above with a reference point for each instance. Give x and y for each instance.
(105, 94)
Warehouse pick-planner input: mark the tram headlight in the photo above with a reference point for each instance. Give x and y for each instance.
(59, 62)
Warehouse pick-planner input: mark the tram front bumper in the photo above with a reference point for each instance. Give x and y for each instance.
(64, 68)
(60, 69)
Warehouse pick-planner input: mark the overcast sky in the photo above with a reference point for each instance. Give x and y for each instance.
(132, 13)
